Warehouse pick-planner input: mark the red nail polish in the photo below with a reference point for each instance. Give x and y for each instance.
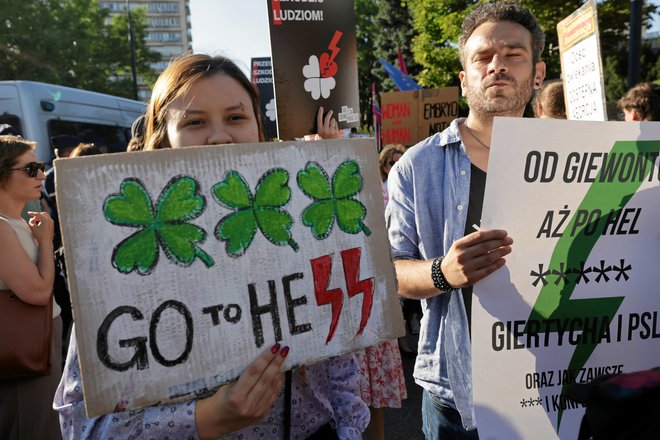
(275, 348)
(284, 352)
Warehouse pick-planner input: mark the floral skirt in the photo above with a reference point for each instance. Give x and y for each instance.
(382, 384)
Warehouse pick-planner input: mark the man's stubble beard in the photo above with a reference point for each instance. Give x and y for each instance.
(499, 105)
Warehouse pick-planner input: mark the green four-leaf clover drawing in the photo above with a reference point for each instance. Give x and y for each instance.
(165, 226)
(333, 200)
(262, 211)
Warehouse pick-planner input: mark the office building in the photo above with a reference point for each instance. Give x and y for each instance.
(167, 32)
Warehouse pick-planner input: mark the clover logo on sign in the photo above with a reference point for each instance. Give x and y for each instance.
(333, 200)
(165, 225)
(320, 71)
(262, 211)
(270, 110)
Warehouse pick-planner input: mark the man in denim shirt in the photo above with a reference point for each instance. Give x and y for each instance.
(436, 190)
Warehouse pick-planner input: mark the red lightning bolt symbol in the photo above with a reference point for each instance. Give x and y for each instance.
(321, 269)
(334, 50)
(351, 260)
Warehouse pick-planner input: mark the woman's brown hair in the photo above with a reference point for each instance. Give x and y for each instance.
(176, 79)
(11, 147)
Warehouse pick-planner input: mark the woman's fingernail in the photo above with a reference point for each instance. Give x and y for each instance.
(275, 348)
(284, 352)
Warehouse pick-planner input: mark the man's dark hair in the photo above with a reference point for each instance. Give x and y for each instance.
(644, 98)
(499, 11)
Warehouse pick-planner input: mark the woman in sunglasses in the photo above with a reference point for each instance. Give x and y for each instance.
(202, 100)
(27, 269)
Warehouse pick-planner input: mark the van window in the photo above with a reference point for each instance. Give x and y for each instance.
(110, 138)
(12, 120)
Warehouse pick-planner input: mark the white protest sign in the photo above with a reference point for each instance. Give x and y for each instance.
(578, 296)
(185, 264)
(581, 65)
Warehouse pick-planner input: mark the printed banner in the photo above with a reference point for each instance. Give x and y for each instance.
(185, 264)
(315, 63)
(410, 117)
(262, 77)
(581, 65)
(578, 296)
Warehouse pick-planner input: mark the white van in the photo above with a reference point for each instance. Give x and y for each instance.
(39, 111)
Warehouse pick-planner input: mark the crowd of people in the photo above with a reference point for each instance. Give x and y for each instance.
(203, 100)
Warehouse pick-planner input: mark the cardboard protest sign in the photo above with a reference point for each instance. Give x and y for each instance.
(185, 264)
(315, 64)
(409, 117)
(262, 77)
(578, 295)
(581, 65)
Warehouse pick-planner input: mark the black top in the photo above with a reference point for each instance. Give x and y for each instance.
(476, 203)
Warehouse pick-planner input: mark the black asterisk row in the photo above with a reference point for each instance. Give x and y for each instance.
(562, 274)
(527, 403)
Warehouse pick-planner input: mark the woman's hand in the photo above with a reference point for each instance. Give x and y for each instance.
(327, 127)
(42, 226)
(246, 401)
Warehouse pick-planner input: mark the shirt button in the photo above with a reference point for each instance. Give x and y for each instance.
(459, 207)
(462, 172)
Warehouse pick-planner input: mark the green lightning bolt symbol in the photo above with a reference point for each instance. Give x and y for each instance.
(554, 301)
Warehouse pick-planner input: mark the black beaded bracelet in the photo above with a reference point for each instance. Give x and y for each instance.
(439, 280)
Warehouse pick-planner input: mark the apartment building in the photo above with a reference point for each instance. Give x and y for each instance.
(168, 29)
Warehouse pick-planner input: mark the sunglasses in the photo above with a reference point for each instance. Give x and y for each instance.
(32, 168)
(392, 162)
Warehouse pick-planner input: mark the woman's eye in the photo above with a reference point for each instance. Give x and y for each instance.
(237, 117)
(192, 122)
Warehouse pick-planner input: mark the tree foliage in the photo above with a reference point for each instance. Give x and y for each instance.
(72, 43)
(383, 27)
(437, 25)
(395, 32)
(366, 29)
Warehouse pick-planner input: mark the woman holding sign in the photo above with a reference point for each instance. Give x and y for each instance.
(27, 270)
(202, 100)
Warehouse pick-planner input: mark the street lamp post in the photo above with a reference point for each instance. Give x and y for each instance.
(131, 42)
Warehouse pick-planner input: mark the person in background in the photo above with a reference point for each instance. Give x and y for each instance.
(549, 101)
(641, 103)
(30, 205)
(137, 135)
(27, 269)
(436, 195)
(382, 383)
(389, 155)
(61, 286)
(6, 129)
(412, 310)
(63, 146)
(86, 150)
(202, 100)
(326, 127)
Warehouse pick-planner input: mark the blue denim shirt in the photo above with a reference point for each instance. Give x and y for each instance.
(429, 190)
